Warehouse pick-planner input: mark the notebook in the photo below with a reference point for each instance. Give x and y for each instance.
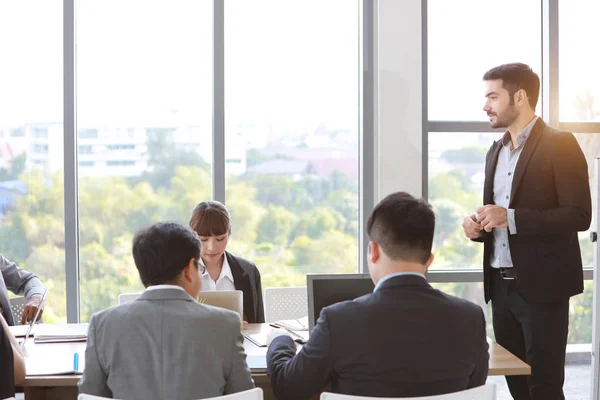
(300, 324)
(257, 362)
(258, 339)
(19, 331)
(58, 333)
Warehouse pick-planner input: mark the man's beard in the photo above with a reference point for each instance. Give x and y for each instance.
(504, 121)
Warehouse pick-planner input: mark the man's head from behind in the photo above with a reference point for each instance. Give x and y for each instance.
(400, 230)
(510, 91)
(168, 253)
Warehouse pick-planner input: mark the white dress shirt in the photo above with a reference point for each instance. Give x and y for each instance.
(157, 287)
(224, 282)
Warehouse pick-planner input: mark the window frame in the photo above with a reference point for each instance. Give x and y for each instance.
(367, 133)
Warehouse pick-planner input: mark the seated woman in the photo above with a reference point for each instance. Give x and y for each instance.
(224, 271)
(12, 363)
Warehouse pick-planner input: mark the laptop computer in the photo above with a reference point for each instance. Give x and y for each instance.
(35, 318)
(228, 299)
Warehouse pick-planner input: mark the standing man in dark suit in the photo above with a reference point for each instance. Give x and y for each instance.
(405, 339)
(536, 198)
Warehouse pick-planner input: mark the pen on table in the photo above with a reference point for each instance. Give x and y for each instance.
(76, 362)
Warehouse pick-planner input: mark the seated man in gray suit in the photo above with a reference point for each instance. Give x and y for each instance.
(165, 345)
(22, 283)
(406, 339)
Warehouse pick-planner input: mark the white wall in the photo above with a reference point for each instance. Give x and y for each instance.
(399, 141)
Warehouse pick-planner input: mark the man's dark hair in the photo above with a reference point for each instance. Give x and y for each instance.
(162, 251)
(403, 226)
(517, 76)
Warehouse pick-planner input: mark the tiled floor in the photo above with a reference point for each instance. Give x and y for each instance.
(577, 383)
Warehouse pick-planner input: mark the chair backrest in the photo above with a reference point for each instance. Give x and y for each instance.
(485, 392)
(285, 303)
(17, 305)
(127, 297)
(252, 394)
(84, 396)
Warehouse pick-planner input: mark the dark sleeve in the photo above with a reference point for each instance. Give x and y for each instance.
(260, 308)
(572, 187)
(299, 376)
(480, 373)
(484, 235)
(7, 377)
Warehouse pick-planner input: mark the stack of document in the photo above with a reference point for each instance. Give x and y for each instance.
(57, 333)
(300, 324)
(21, 330)
(259, 339)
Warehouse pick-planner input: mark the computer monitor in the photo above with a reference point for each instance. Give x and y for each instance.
(325, 290)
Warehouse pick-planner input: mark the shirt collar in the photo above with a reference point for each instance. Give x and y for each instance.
(522, 137)
(225, 270)
(390, 276)
(157, 287)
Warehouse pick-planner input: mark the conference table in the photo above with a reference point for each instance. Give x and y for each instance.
(64, 387)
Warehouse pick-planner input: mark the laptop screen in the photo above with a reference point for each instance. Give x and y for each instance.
(325, 290)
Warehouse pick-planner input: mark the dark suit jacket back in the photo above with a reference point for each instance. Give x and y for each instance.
(406, 339)
(551, 198)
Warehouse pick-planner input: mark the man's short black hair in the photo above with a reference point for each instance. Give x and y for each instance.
(517, 76)
(162, 251)
(403, 226)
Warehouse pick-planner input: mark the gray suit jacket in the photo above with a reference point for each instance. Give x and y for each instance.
(18, 281)
(164, 346)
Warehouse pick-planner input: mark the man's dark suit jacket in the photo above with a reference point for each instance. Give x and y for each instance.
(405, 339)
(246, 278)
(551, 198)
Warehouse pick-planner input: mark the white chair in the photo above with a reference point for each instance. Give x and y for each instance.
(252, 394)
(127, 297)
(486, 392)
(17, 305)
(285, 303)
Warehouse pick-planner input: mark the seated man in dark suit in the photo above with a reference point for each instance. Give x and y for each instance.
(405, 339)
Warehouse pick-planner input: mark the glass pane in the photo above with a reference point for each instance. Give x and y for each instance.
(579, 64)
(456, 175)
(468, 37)
(590, 145)
(292, 135)
(144, 130)
(31, 144)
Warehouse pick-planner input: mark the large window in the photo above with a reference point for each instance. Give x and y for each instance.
(468, 37)
(465, 38)
(291, 154)
(456, 175)
(579, 60)
(144, 77)
(31, 144)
